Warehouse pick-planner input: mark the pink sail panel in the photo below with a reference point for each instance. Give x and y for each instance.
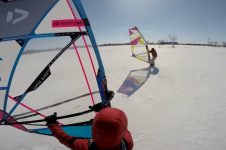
(136, 41)
(11, 119)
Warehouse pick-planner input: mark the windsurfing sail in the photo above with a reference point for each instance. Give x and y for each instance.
(139, 46)
(49, 62)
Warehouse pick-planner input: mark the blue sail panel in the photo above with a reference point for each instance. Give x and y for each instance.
(75, 131)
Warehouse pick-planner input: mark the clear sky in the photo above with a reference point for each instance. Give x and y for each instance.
(190, 20)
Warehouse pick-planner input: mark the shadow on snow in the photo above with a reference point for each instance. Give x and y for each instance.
(135, 79)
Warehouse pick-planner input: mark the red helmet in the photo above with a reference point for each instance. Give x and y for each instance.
(109, 126)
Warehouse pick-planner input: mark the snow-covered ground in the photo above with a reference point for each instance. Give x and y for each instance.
(179, 105)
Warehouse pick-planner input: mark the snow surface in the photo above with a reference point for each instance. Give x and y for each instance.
(180, 106)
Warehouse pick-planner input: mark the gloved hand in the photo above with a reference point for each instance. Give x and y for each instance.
(97, 107)
(109, 95)
(52, 119)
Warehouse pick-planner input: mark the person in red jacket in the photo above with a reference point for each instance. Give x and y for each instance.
(154, 56)
(109, 130)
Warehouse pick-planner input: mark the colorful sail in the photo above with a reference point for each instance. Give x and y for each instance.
(49, 62)
(139, 46)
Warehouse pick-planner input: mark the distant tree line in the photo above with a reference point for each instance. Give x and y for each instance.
(224, 44)
(162, 42)
(172, 40)
(114, 44)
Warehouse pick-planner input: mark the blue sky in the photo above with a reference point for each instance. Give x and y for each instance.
(190, 20)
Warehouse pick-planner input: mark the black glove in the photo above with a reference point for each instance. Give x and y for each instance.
(109, 95)
(97, 107)
(52, 119)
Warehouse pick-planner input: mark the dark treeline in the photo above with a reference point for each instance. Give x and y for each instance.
(26, 52)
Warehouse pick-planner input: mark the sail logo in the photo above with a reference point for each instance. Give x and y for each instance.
(17, 16)
(68, 23)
